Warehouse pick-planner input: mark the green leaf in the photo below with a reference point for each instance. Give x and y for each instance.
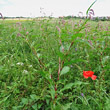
(74, 36)
(75, 61)
(43, 73)
(90, 7)
(74, 107)
(52, 91)
(60, 54)
(24, 101)
(105, 59)
(34, 106)
(58, 107)
(34, 97)
(16, 108)
(3, 100)
(68, 86)
(107, 104)
(85, 42)
(65, 70)
(67, 106)
(79, 83)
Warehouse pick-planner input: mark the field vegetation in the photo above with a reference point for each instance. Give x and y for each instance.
(49, 64)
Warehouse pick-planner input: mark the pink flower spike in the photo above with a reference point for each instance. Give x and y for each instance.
(93, 77)
(27, 32)
(92, 11)
(58, 28)
(18, 35)
(1, 16)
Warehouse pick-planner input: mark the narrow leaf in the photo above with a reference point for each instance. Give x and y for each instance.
(90, 7)
(65, 70)
(68, 86)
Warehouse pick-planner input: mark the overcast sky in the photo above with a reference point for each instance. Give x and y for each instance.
(31, 8)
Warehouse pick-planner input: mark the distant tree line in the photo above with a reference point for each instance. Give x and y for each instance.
(13, 17)
(65, 17)
(93, 18)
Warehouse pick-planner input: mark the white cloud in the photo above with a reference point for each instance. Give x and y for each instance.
(102, 8)
(2, 2)
(57, 7)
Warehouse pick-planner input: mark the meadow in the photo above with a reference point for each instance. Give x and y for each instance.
(48, 64)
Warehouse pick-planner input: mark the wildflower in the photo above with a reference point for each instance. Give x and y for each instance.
(25, 71)
(62, 48)
(24, 28)
(91, 13)
(82, 94)
(58, 28)
(19, 28)
(71, 66)
(18, 23)
(80, 14)
(30, 66)
(90, 42)
(18, 35)
(75, 49)
(87, 74)
(27, 33)
(20, 63)
(1, 16)
(63, 22)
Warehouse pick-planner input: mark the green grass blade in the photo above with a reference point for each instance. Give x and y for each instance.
(90, 7)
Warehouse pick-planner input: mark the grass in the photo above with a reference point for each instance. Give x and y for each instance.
(34, 54)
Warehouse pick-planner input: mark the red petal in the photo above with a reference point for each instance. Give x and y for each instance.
(85, 76)
(93, 77)
(88, 73)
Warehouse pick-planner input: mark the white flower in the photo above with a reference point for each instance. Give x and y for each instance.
(25, 71)
(20, 63)
(30, 66)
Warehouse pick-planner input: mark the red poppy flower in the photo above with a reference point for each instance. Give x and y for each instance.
(87, 74)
